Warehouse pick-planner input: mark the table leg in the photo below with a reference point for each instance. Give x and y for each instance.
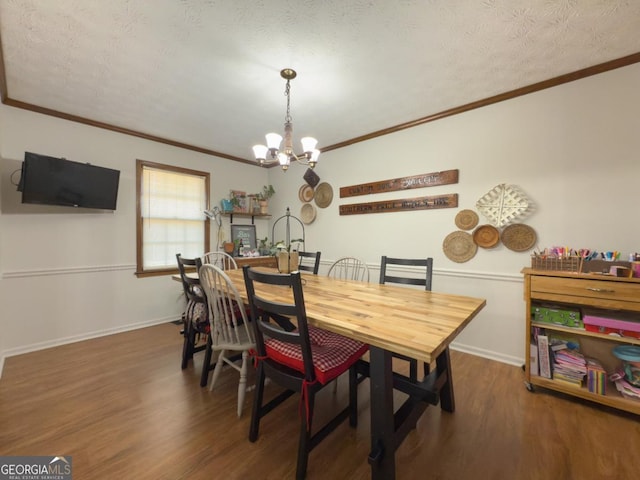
(443, 364)
(382, 456)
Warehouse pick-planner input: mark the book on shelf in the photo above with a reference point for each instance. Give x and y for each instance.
(596, 377)
(569, 365)
(544, 358)
(533, 360)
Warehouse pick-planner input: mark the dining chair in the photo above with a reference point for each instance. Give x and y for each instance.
(314, 266)
(349, 268)
(301, 361)
(219, 259)
(195, 318)
(425, 281)
(225, 262)
(230, 329)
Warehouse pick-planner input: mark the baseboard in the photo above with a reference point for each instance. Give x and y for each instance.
(491, 355)
(79, 338)
(480, 352)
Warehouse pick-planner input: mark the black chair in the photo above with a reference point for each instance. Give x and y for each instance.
(195, 318)
(314, 267)
(427, 264)
(299, 361)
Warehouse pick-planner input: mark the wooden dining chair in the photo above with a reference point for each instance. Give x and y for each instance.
(303, 361)
(230, 329)
(225, 262)
(419, 280)
(219, 259)
(349, 268)
(195, 318)
(313, 266)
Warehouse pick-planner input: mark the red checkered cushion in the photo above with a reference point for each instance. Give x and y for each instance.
(332, 354)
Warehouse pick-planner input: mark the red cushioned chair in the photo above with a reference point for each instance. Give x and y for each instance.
(302, 361)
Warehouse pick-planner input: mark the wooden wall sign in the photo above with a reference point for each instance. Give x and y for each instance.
(445, 177)
(420, 203)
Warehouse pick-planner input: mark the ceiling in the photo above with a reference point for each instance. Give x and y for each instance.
(205, 73)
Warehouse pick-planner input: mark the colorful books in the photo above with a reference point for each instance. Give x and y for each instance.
(596, 377)
(569, 365)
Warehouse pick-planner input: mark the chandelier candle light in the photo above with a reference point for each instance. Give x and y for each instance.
(286, 156)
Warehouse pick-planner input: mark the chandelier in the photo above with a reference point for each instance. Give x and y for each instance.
(285, 156)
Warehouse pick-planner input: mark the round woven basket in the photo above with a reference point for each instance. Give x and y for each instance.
(305, 194)
(486, 236)
(323, 195)
(308, 213)
(466, 219)
(519, 237)
(459, 247)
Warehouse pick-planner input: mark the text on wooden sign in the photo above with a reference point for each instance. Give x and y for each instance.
(445, 177)
(398, 205)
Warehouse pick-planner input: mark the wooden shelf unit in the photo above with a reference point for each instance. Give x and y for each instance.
(253, 216)
(577, 291)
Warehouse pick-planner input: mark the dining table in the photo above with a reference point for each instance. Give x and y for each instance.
(390, 319)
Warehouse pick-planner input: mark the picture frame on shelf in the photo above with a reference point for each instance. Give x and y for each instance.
(246, 233)
(239, 200)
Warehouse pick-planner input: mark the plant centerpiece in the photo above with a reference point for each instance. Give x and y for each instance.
(263, 248)
(288, 259)
(263, 198)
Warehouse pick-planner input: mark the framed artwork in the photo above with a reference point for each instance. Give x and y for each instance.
(246, 233)
(240, 201)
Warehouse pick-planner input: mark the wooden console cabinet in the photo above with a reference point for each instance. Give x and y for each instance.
(256, 261)
(578, 291)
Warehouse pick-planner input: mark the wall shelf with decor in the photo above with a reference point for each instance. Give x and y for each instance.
(569, 307)
(246, 215)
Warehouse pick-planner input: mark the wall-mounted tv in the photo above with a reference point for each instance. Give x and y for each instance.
(58, 181)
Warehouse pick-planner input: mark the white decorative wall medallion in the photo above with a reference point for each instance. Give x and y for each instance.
(503, 204)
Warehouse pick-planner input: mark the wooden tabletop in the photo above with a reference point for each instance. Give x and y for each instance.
(403, 320)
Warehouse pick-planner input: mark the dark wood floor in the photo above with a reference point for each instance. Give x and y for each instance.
(123, 409)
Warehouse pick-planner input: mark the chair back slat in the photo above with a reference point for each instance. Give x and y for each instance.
(190, 285)
(426, 263)
(220, 259)
(349, 268)
(228, 319)
(314, 267)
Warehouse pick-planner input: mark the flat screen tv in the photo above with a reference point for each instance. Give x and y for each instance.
(58, 181)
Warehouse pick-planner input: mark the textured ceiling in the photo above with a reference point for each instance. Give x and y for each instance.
(206, 72)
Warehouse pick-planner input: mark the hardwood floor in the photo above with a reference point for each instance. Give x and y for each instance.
(123, 409)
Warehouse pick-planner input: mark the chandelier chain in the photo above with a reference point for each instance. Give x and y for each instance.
(287, 92)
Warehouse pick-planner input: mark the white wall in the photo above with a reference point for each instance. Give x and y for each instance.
(67, 275)
(572, 149)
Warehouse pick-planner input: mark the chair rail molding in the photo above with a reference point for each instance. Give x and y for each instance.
(66, 271)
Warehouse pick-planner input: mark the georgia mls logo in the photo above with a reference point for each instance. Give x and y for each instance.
(35, 468)
(60, 466)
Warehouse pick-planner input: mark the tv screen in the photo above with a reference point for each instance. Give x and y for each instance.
(58, 181)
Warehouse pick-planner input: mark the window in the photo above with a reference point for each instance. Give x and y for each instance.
(170, 218)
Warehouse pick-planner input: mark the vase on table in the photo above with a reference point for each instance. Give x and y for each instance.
(287, 262)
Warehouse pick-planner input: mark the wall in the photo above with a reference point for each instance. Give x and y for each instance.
(69, 275)
(572, 149)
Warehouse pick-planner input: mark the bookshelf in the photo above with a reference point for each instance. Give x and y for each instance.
(580, 291)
